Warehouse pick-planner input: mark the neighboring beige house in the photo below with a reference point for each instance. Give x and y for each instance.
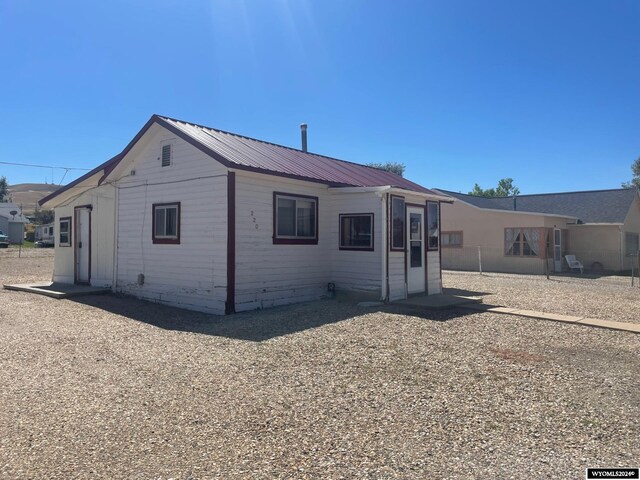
(533, 233)
(209, 220)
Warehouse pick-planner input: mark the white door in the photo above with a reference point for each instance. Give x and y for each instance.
(557, 250)
(415, 250)
(83, 245)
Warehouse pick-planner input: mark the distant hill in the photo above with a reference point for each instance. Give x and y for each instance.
(28, 194)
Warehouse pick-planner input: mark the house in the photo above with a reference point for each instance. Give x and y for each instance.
(12, 222)
(44, 235)
(533, 233)
(209, 220)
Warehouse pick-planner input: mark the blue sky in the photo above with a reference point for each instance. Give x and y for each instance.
(546, 92)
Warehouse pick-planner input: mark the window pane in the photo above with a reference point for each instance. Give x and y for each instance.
(434, 224)
(64, 227)
(171, 229)
(286, 217)
(397, 219)
(160, 218)
(416, 254)
(631, 243)
(356, 231)
(64, 238)
(306, 218)
(415, 226)
(517, 244)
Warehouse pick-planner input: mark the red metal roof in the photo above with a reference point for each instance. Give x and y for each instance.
(245, 153)
(241, 151)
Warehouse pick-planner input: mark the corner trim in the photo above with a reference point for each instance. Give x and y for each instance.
(230, 304)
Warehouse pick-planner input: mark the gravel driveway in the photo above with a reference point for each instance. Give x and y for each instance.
(605, 298)
(110, 387)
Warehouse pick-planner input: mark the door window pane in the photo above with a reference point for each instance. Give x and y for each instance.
(416, 254)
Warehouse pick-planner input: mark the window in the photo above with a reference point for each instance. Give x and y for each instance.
(397, 223)
(356, 231)
(522, 242)
(433, 219)
(631, 243)
(65, 232)
(166, 223)
(295, 219)
(166, 155)
(451, 239)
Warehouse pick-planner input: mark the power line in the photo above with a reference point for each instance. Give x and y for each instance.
(43, 166)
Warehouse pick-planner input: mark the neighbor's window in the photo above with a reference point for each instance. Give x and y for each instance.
(631, 243)
(356, 231)
(295, 219)
(522, 242)
(451, 239)
(397, 223)
(166, 155)
(433, 219)
(64, 239)
(166, 223)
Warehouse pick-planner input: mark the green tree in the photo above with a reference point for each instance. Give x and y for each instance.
(42, 217)
(4, 189)
(505, 188)
(635, 181)
(393, 167)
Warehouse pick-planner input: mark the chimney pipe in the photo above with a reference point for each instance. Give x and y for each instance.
(303, 131)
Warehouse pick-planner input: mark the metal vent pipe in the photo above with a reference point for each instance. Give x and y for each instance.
(303, 132)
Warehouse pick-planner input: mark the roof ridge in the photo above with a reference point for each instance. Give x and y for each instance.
(274, 144)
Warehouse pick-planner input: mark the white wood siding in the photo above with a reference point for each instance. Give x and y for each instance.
(102, 200)
(267, 274)
(355, 270)
(193, 273)
(397, 278)
(434, 282)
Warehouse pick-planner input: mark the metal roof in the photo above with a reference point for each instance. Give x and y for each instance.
(245, 153)
(595, 206)
(252, 154)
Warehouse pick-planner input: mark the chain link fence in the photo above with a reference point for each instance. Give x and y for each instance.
(489, 259)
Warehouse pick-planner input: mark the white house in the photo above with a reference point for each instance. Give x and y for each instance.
(44, 234)
(208, 220)
(12, 222)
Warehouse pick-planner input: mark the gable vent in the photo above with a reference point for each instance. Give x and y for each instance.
(166, 155)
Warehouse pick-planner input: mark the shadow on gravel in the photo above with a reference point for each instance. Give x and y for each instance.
(463, 293)
(255, 326)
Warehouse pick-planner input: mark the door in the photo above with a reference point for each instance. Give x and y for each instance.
(83, 244)
(415, 250)
(557, 250)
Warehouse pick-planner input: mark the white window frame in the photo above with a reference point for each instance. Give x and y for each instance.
(66, 220)
(445, 239)
(294, 239)
(172, 239)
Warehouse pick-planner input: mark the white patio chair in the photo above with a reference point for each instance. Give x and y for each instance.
(573, 263)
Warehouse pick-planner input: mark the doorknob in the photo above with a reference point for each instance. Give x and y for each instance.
(79, 244)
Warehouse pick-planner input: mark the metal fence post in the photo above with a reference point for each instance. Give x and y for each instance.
(480, 260)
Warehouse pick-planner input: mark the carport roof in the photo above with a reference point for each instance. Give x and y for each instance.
(594, 206)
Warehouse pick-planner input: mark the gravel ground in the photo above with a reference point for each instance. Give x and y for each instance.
(605, 298)
(110, 387)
